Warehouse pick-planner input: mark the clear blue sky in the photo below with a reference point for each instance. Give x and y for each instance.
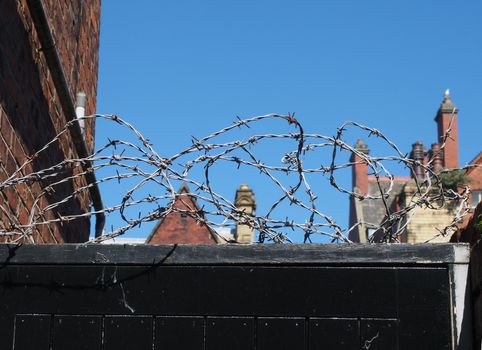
(181, 68)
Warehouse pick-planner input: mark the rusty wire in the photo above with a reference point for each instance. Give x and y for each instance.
(137, 161)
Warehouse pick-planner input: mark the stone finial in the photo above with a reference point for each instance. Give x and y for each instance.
(245, 197)
(447, 105)
(245, 202)
(360, 146)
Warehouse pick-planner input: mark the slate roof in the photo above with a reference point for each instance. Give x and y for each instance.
(374, 209)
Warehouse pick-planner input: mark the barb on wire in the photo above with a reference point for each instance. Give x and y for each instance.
(150, 181)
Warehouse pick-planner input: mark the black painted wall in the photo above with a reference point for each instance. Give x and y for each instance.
(169, 297)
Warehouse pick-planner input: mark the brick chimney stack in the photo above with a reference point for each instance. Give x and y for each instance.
(418, 155)
(436, 157)
(245, 202)
(360, 169)
(447, 119)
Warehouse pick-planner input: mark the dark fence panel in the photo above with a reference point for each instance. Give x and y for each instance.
(248, 297)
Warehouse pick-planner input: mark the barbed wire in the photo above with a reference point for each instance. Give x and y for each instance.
(135, 163)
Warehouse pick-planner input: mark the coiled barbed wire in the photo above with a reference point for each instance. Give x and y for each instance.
(136, 163)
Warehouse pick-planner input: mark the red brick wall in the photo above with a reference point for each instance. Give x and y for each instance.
(30, 111)
(76, 26)
(359, 175)
(473, 235)
(475, 176)
(451, 150)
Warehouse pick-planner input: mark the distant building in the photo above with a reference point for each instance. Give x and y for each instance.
(425, 222)
(475, 176)
(179, 227)
(48, 53)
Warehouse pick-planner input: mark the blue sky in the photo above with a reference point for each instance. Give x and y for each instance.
(181, 68)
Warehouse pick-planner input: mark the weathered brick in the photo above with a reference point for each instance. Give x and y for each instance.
(30, 112)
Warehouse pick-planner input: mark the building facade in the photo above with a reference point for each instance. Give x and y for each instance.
(424, 224)
(48, 54)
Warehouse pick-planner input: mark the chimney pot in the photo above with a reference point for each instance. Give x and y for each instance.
(418, 155)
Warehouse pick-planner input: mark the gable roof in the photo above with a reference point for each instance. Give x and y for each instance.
(178, 227)
(476, 161)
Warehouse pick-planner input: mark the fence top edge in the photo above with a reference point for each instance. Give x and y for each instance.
(272, 254)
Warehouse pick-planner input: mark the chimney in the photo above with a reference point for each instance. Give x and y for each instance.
(360, 169)
(437, 158)
(418, 155)
(445, 113)
(245, 202)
